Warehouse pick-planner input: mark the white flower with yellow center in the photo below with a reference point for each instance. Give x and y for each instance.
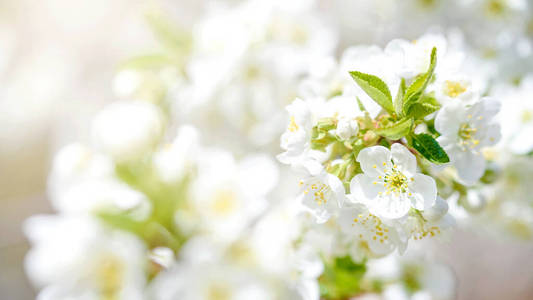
(296, 138)
(75, 257)
(465, 131)
(227, 195)
(517, 116)
(454, 88)
(390, 186)
(370, 236)
(433, 222)
(322, 195)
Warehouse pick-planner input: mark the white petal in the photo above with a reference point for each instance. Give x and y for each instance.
(346, 217)
(437, 211)
(390, 206)
(522, 143)
(337, 188)
(374, 160)
(490, 108)
(470, 167)
(450, 118)
(493, 135)
(424, 191)
(363, 188)
(404, 159)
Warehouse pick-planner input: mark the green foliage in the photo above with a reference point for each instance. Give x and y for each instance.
(425, 106)
(152, 232)
(396, 130)
(341, 278)
(375, 88)
(176, 44)
(158, 229)
(416, 89)
(168, 34)
(398, 101)
(361, 106)
(429, 148)
(320, 138)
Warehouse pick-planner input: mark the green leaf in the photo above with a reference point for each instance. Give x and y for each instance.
(416, 89)
(375, 89)
(397, 130)
(398, 101)
(320, 139)
(168, 34)
(341, 279)
(425, 106)
(429, 148)
(360, 104)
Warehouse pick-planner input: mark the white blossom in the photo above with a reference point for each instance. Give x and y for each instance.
(465, 130)
(390, 185)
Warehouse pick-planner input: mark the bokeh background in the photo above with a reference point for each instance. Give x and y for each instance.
(57, 63)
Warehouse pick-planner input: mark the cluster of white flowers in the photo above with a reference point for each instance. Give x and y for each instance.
(177, 194)
(375, 167)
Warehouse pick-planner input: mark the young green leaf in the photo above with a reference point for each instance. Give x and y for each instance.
(398, 101)
(416, 89)
(425, 106)
(360, 104)
(168, 34)
(397, 130)
(375, 89)
(429, 148)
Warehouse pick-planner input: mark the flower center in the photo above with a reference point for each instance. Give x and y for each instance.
(375, 228)
(319, 192)
(467, 134)
(454, 88)
(293, 127)
(527, 116)
(495, 8)
(225, 201)
(219, 292)
(109, 273)
(395, 181)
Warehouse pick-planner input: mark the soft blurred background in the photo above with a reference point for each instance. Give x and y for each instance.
(57, 63)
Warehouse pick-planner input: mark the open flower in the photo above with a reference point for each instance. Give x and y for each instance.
(322, 195)
(371, 237)
(390, 186)
(297, 135)
(465, 131)
(76, 257)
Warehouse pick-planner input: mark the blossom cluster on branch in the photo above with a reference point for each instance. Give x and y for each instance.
(257, 156)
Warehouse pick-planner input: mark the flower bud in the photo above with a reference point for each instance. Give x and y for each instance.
(346, 128)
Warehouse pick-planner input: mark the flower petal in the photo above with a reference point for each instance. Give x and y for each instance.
(470, 166)
(362, 187)
(450, 118)
(403, 159)
(424, 191)
(390, 206)
(375, 160)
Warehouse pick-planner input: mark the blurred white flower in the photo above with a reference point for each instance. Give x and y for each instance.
(76, 257)
(226, 195)
(175, 160)
(465, 130)
(125, 130)
(517, 116)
